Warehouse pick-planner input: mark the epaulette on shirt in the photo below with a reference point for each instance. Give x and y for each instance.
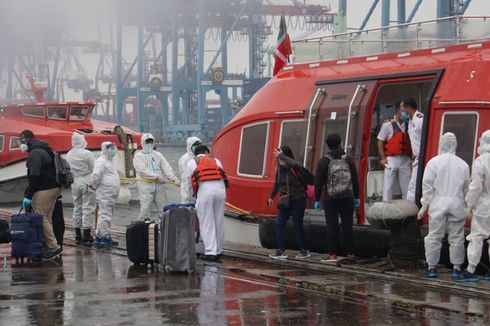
(420, 115)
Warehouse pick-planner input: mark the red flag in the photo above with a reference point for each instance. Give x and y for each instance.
(283, 47)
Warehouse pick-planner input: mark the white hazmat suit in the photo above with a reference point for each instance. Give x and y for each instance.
(105, 179)
(152, 166)
(187, 197)
(415, 131)
(445, 183)
(210, 209)
(478, 203)
(81, 163)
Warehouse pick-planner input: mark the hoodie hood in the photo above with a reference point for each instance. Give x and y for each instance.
(78, 140)
(484, 143)
(39, 144)
(448, 143)
(189, 142)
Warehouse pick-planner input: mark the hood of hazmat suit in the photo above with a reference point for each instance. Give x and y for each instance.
(78, 140)
(147, 148)
(109, 150)
(448, 143)
(484, 143)
(186, 197)
(81, 161)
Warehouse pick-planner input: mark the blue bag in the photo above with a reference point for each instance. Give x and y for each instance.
(172, 206)
(27, 235)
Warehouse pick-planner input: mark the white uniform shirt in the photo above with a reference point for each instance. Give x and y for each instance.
(386, 131)
(415, 132)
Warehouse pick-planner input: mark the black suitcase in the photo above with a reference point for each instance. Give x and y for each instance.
(142, 242)
(58, 221)
(177, 240)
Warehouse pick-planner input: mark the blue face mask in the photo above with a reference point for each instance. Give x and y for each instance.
(405, 116)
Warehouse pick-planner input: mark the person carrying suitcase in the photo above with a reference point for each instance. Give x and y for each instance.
(42, 189)
(209, 183)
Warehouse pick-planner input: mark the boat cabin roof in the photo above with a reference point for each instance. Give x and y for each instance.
(64, 111)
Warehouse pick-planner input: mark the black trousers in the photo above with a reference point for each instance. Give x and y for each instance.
(344, 207)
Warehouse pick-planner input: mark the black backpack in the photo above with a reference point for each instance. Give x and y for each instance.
(63, 176)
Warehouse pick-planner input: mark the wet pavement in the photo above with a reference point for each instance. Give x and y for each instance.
(100, 287)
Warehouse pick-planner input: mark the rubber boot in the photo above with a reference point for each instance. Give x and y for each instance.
(78, 236)
(87, 239)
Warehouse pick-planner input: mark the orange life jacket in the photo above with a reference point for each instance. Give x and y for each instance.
(399, 143)
(207, 169)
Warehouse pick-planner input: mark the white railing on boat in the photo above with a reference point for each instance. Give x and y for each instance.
(405, 37)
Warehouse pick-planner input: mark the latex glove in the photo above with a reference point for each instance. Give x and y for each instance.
(421, 212)
(177, 182)
(318, 205)
(161, 179)
(357, 203)
(469, 212)
(26, 202)
(269, 202)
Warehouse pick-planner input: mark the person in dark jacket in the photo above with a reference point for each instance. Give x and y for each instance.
(341, 200)
(288, 182)
(42, 189)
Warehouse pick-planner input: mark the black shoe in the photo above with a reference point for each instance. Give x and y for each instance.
(87, 238)
(210, 258)
(78, 236)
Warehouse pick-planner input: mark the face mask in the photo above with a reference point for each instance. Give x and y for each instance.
(113, 152)
(405, 116)
(24, 147)
(148, 148)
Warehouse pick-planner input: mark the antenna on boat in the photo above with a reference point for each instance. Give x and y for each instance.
(36, 89)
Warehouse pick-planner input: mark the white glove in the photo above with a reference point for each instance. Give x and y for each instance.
(161, 179)
(469, 212)
(421, 213)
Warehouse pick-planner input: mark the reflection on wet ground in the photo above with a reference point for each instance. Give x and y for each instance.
(92, 287)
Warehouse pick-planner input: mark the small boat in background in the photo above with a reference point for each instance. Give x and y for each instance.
(54, 122)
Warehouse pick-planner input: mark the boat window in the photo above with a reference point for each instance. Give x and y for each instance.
(253, 145)
(465, 127)
(293, 135)
(90, 112)
(1, 143)
(78, 112)
(36, 111)
(14, 143)
(57, 112)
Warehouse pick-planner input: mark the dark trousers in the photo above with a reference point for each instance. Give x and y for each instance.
(344, 207)
(297, 212)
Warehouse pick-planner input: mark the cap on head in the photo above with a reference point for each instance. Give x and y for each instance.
(333, 141)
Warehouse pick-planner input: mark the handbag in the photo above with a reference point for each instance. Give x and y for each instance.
(284, 202)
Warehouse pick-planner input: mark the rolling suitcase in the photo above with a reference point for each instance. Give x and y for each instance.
(4, 231)
(58, 221)
(177, 240)
(27, 236)
(142, 242)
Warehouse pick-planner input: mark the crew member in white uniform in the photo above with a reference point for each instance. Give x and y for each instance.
(105, 180)
(478, 208)
(151, 168)
(186, 196)
(444, 186)
(210, 202)
(81, 163)
(395, 152)
(416, 119)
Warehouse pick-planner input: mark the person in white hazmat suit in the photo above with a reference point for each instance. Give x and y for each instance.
(444, 186)
(152, 167)
(210, 180)
(81, 163)
(478, 209)
(106, 182)
(187, 197)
